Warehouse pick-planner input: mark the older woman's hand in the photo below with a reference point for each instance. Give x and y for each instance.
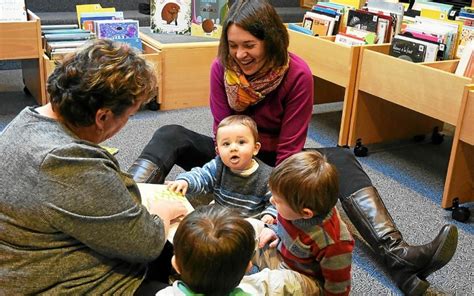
(168, 210)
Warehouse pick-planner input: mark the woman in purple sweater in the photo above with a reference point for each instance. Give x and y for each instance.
(256, 76)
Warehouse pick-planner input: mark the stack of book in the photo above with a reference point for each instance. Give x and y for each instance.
(62, 39)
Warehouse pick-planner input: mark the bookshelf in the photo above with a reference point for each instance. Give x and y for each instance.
(22, 41)
(396, 99)
(307, 3)
(150, 54)
(186, 62)
(460, 176)
(334, 67)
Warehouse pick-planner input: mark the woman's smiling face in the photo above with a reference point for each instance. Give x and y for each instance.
(247, 50)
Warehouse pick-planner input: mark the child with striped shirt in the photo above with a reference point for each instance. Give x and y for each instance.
(309, 235)
(235, 177)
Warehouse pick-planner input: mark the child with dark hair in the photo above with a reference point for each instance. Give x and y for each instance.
(235, 177)
(309, 236)
(214, 246)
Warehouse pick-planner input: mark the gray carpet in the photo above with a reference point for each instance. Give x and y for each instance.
(409, 176)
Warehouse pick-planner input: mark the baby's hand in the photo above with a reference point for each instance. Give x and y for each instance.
(268, 219)
(267, 236)
(178, 186)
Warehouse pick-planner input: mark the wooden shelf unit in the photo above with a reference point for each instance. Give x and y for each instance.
(460, 175)
(22, 41)
(152, 55)
(185, 72)
(334, 67)
(396, 99)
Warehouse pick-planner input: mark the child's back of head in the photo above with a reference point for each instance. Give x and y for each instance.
(213, 248)
(306, 180)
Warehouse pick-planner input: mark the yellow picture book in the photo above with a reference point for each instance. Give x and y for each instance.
(156, 193)
(82, 8)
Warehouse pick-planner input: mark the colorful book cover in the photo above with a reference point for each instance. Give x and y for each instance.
(119, 30)
(407, 50)
(82, 8)
(207, 17)
(171, 16)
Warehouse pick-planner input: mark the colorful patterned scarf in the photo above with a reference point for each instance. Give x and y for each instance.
(242, 93)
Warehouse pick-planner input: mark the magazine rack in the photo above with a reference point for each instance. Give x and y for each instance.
(22, 41)
(150, 54)
(185, 68)
(460, 176)
(334, 67)
(396, 99)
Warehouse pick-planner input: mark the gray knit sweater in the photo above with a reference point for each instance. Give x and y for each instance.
(71, 221)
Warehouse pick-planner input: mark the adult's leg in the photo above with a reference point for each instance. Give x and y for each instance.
(159, 270)
(170, 145)
(409, 265)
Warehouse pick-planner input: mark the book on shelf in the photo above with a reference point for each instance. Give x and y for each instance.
(431, 48)
(349, 40)
(90, 8)
(171, 16)
(467, 36)
(207, 17)
(301, 29)
(408, 50)
(368, 37)
(320, 24)
(363, 20)
(156, 193)
(392, 11)
(13, 11)
(66, 36)
(466, 62)
(119, 30)
(88, 19)
(45, 28)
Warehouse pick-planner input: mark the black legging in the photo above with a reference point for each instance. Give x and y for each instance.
(174, 144)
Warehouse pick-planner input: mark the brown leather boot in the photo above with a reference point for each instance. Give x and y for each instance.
(145, 171)
(409, 265)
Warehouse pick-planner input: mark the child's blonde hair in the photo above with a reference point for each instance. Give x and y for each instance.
(306, 180)
(240, 119)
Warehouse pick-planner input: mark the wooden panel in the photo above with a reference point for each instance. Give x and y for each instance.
(423, 89)
(326, 59)
(467, 124)
(447, 66)
(20, 40)
(376, 120)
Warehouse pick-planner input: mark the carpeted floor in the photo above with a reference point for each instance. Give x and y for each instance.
(409, 176)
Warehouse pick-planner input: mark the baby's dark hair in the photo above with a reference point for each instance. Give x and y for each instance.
(306, 180)
(213, 247)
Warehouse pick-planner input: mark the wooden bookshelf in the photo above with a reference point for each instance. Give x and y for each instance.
(307, 3)
(152, 55)
(185, 72)
(396, 99)
(460, 175)
(22, 41)
(334, 67)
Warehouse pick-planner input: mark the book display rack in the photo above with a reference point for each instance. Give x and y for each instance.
(460, 177)
(22, 41)
(186, 62)
(397, 99)
(150, 53)
(334, 67)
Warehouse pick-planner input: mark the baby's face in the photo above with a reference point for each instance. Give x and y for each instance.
(236, 146)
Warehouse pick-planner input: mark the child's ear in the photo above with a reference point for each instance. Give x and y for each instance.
(175, 266)
(217, 150)
(256, 148)
(307, 213)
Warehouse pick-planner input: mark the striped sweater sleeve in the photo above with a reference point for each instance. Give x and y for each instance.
(336, 268)
(201, 180)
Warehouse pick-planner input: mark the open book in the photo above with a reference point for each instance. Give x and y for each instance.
(154, 193)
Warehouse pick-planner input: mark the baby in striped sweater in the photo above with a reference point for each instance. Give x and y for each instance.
(309, 235)
(235, 177)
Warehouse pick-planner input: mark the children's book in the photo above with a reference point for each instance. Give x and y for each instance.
(207, 17)
(85, 8)
(171, 16)
(13, 11)
(156, 193)
(119, 30)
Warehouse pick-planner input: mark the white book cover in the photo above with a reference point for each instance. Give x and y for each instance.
(13, 11)
(348, 40)
(465, 58)
(171, 16)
